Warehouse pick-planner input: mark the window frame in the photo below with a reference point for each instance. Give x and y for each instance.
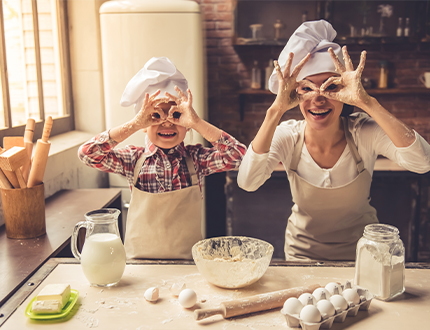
(61, 124)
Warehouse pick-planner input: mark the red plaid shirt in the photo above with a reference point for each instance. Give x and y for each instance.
(161, 172)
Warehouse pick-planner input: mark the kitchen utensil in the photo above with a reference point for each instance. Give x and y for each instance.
(253, 304)
(74, 294)
(28, 144)
(103, 254)
(4, 182)
(11, 160)
(12, 141)
(41, 153)
(232, 261)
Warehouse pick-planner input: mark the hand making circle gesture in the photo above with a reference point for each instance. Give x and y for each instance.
(150, 114)
(348, 87)
(183, 113)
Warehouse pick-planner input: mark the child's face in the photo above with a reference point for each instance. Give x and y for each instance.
(166, 135)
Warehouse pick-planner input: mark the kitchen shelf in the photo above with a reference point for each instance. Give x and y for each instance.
(244, 93)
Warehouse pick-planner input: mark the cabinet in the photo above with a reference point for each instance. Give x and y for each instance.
(400, 198)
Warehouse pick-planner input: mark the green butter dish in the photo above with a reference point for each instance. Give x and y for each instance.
(74, 294)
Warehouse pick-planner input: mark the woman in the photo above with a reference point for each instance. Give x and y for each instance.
(330, 155)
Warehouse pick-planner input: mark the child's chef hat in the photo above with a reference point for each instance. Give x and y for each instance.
(159, 73)
(313, 37)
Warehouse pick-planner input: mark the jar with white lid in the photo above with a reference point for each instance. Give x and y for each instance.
(380, 261)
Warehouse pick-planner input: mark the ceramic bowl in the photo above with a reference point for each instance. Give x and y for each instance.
(232, 262)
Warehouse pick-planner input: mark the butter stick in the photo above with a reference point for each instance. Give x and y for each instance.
(55, 292)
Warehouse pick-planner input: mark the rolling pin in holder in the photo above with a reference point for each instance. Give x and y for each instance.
(40, 158)
(258, 303)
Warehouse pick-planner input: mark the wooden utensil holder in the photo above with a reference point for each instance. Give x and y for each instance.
(24, 212)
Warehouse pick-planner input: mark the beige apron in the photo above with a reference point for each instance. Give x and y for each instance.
(326, 223)
(164, 225)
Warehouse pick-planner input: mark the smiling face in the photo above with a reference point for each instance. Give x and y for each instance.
(319, 111)
(166, 135)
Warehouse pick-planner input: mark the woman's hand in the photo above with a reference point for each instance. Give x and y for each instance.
(287, 97)
(150, 114)
(347, 88)
(183, 113)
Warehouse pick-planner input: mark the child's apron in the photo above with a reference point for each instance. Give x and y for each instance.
(163, 225)
(326, 223)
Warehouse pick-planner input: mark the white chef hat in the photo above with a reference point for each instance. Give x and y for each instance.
(159, 73)
(313, 37)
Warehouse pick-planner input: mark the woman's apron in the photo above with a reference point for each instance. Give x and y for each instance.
(326, 223)
(163, 225)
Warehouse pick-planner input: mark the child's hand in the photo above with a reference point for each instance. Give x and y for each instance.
(287, 97)
(183, 113)
(150, 114)
(347, 88)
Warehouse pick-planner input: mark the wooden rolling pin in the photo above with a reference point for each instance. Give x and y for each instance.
(40, 158)
(12, 160)
(253, 304)
(28, 145)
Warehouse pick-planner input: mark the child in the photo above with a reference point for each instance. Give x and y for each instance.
(165, 176)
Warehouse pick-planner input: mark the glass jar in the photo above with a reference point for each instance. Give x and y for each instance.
(380, 261)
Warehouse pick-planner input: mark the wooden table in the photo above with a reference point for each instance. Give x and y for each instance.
(20, 258)
(124, 307)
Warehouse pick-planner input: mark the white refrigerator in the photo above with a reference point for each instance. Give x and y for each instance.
(132, 32)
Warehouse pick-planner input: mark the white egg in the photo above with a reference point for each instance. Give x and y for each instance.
(326, 308)
(321, 293)
(151, 294)
(187, 298)
(177, 287)
(351, 296)
(339, 302)
(307, 299)
(311, 314)
(334, 288)
(292, 306)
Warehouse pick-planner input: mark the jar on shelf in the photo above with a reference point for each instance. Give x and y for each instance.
(380, 261)
(255, 76)
(383, 74)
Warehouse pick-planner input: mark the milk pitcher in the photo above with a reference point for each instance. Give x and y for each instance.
(103, 254)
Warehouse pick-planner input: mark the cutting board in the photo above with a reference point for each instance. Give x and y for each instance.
(124, 307)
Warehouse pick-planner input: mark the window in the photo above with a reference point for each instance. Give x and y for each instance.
(34, 66)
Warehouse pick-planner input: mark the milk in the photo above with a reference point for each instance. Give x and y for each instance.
(103, 259)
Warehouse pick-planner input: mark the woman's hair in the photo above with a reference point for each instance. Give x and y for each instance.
(347, 110)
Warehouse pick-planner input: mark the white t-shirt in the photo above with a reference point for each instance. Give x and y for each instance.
(369, 138)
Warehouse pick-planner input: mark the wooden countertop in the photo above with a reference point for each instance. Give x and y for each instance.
(20, 258)
(124, 304)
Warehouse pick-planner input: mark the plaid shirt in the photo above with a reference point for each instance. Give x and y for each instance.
(161, 172)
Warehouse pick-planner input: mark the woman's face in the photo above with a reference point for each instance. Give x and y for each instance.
(319, 111)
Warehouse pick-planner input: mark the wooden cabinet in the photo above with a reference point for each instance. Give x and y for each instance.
(400, 198)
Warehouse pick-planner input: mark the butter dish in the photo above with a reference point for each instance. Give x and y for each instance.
(74, 294)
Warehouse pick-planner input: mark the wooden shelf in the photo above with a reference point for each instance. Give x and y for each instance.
(244, 93)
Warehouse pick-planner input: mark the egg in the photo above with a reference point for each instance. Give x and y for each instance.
(351, 296)
(307, 299)
(311, 314)
(177, 287)
(321, 293)
(334, 288)
(339, 302)
(326, 308)
(292, 306)
(151, 294)
(187, 298)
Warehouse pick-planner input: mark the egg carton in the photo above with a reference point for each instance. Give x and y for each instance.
(293, 320)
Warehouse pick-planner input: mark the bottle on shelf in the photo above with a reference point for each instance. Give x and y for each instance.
(255, 76)
(407, 28)
(399, 31)
(267, 73)
(383, 74)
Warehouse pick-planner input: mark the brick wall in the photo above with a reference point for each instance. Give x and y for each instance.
(229, 72)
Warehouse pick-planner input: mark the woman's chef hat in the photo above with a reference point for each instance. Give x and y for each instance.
(313, 37)
(159, 73)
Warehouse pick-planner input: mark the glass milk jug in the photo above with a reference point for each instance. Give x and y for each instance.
(103, 254)
(380, 261)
